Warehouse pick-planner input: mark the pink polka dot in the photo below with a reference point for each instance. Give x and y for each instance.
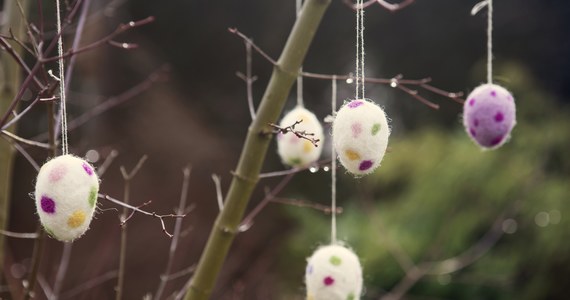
(87, 169)
(473, 132)
(356, 129)
(493, 93)
(328, 281)
(57, 172)
(476, 122)
(293, 139)
(499, 117)
(355, 104)
(472, 102)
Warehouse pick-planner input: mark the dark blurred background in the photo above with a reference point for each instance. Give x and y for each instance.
(435, 196)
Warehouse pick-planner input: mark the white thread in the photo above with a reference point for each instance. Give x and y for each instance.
(359, 87)
(298, 5)
(333, 169)
(489, 41)
(64, 144)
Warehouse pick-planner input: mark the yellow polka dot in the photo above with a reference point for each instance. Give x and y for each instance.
(307, 147)
(352, 155)
(76, 219)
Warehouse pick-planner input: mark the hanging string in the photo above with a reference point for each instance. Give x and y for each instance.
(300, 77)
(333, 168)
(64, 144)
(359, 50)
(474, 11)
(489, 41)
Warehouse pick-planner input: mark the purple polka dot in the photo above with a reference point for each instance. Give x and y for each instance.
(356, 129)
(472, 102)
(473, 132)
(355, 104)
(493, 93)
(476, 122)
(328, 281)
(497, 140)
(87, 169)
(499, 117)
(365, 165)
(48, 205)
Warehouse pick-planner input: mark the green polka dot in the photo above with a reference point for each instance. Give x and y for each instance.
(375, 128)
(335, 260)
(295, 161)
(350, 296)
(93, 196)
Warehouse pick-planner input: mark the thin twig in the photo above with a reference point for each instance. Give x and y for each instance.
(106, 40)
(323, 163)
(247, 222)
(24, 141)
(24, 153)
(72, 294)
(127, 177)
(107, 163)
(164, 278)
(152, 214)
(250, 42)
(19, 235)
(308, 204)
(302, 134)
(219, 196)
(248, 79)
(61, 270)
(392, 7)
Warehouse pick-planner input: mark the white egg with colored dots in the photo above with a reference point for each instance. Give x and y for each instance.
(293, 150)
(66, 196)
(360, 132)
(333, 273)
(489, 115)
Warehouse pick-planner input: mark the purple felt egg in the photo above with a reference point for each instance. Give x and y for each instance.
(489, 115)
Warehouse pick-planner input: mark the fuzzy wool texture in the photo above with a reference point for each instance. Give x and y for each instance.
(489, 115)
(333, 273)
(360, 133)
(295, 151)
(66, 196)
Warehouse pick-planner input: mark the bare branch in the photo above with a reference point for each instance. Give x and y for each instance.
(19, 235)
(250, 42)
(108, 161)
(71, 294)
(219, 196)
(106, 40)
(322, 163)
(302, 134)
(152, 214)
(61, 270)
(308, 204)
(24, 141)
(166, 276)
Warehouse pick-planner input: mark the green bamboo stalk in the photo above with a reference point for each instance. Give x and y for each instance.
(255, 148)
(10, 81)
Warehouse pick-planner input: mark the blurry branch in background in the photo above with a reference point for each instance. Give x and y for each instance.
(127, 177)
(397, 81)
(167, 275)
(61, 271)
(248, 79)
(72, 294)
(393, 7)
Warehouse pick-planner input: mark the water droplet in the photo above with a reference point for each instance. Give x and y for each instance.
(92, 156)
(510, 226)
(542, 219)
(313, 169)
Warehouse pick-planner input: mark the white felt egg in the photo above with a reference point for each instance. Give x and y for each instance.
(489, 115)
(333, 273)
(66, 196)
(360, 131)
(295, 151)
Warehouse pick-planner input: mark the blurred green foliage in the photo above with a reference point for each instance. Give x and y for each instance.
(437, 194)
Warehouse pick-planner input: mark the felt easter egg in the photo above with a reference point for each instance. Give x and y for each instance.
(333, 273)
(293, 150)
(489, 115)
(66, 196)
(360, 131)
